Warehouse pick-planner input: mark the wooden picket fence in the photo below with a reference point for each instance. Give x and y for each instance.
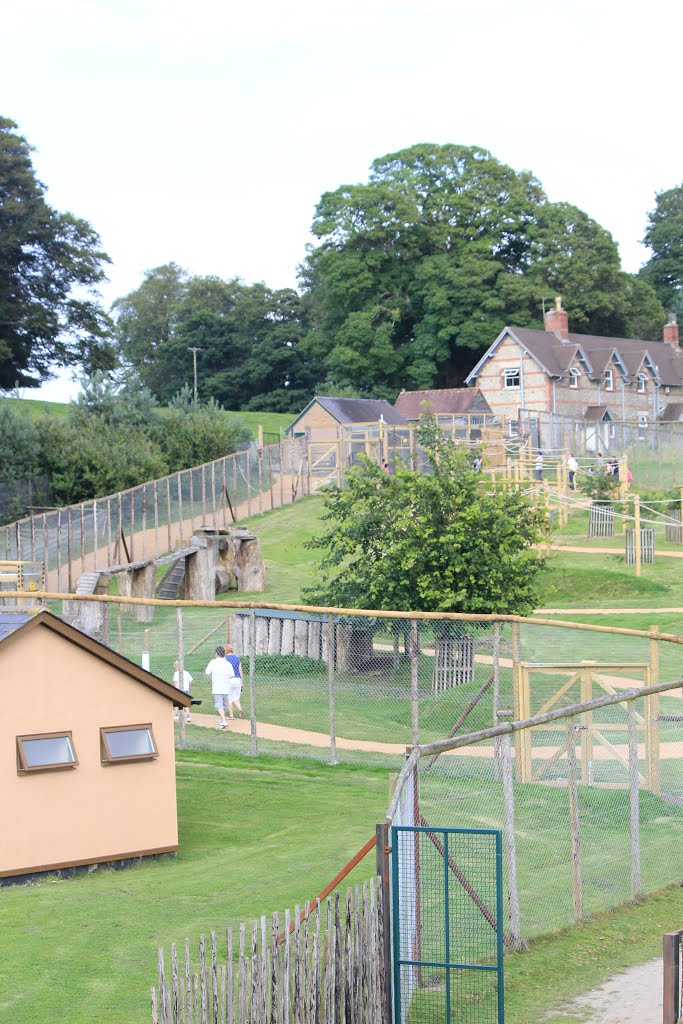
(326, 966)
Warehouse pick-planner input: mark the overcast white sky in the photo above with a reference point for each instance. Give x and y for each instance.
(206, 132)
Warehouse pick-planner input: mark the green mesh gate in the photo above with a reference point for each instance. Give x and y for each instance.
(447, 925)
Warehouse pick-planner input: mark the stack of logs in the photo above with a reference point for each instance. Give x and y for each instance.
(282, 633)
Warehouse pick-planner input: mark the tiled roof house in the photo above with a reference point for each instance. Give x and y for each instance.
(580, 376)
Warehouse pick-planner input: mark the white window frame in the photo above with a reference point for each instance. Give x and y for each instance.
(574, 375)
(511, 373)
(609, 380)
(513, 428)
(642, 380)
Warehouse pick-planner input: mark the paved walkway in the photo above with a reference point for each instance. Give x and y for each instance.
(633, 996)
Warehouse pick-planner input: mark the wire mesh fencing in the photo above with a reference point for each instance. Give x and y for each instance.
(589, 802)
(351, 688)
(156, 517)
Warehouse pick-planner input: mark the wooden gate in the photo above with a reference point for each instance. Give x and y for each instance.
(585, 676)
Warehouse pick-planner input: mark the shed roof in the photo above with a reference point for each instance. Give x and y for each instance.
(45, 620)
(354, 410)
(597, 413)
(9, 621)
(672, 412)
(413, 404)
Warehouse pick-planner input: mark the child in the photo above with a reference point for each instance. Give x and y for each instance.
(231, 657)
(183, 684)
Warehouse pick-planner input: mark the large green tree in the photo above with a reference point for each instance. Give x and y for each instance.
(248, 338)
(435, 541)
(50, 266)
(664, 236)
(419, 269)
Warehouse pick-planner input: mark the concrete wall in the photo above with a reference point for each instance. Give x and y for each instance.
(89, 813)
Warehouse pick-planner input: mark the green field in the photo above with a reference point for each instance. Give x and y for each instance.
(261, 834)
(255, 837)
(272, 422)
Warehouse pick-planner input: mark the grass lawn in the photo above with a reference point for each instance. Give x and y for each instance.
(255, 837)
(272, 422)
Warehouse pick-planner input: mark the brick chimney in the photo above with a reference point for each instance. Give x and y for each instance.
(557, 320)
(671, 333)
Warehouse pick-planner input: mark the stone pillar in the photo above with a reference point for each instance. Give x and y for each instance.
(139, 582)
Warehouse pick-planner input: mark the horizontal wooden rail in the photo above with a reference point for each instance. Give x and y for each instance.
(331, 886)
(352, 612)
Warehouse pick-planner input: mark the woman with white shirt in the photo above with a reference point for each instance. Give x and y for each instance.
(222, 676)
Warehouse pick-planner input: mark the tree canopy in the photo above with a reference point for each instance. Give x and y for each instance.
(664, 236)
(50, 266)
(248, 338)
(419, 269)
(428, 541)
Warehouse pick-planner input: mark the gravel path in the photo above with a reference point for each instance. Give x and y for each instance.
(631, 997)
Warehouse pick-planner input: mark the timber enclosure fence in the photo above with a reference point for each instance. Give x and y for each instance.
(154, 518)
(323, 965)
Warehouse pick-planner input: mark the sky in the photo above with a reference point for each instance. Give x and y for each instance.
(206, 132)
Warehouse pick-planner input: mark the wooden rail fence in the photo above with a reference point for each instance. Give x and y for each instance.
(323, 967)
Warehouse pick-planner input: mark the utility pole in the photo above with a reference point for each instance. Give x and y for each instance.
(194, 352)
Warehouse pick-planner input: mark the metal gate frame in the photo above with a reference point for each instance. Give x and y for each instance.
(448, 964)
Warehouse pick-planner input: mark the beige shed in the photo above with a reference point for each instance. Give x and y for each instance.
(87, 760)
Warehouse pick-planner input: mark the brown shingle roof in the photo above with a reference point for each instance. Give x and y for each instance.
(672, 412)
(596, 413)
(555, 355)
(413, 404)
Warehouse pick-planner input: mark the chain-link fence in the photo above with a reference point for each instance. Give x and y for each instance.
(589, 799)
(156, 517)
(362, 688)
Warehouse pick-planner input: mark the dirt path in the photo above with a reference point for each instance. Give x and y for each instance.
(633, 996)
(321, 740)
(608, 611)
(609, 551)
(150, 543)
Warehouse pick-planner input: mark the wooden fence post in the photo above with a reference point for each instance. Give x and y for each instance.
(330, 686)
(181, 675)
(652, 717)
(636, 524)
(252, 681)
(414, 683)
(634, 789)
(671, 1002)
(575, 836)
(510, 845)
(383, 852)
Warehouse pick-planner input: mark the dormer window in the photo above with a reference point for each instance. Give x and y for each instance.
(609, 380)
(642, 378)
(511, 377)
(574, 375)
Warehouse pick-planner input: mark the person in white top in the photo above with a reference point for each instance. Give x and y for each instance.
(222, 676)
(538, 470)
(572, 468)
(183, 685)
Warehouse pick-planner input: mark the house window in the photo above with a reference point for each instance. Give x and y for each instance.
(127, 743)
(574, 375)
(48, 751)
(513, 429)
(641, 383)
(511, 377)
(609, 380)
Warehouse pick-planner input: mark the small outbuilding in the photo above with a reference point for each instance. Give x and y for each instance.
(322, 416)
(448, 402)
(87, 759)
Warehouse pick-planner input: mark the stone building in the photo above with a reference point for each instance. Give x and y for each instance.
(534, 377)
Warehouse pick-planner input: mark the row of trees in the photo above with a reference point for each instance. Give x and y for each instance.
(112, 438)
(413, 274)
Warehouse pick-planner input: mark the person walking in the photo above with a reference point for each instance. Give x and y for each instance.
(183, 684)
(572, 469)
(237, 683)
(222, 675)
(538, 470)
